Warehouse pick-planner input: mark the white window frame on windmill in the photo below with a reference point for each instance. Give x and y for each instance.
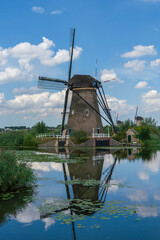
(72, 112)
(86, 111)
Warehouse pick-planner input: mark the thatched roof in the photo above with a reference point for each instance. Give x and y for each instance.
(81, 81)
(139, 118)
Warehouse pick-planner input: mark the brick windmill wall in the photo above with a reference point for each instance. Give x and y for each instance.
(82, 116)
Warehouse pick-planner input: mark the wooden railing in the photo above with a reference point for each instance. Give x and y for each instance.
(45, 135)
(99, 135)
(94, 135)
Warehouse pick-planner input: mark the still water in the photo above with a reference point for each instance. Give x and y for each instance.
(90, 194)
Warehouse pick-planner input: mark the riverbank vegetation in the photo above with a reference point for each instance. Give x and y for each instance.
(14, 174)
(79, 137)
(148, 133)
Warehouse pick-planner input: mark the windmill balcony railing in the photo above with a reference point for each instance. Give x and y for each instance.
(62, 136)
(44, 135)
(52, 135)
(100, 135)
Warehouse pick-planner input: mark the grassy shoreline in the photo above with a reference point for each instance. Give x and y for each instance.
(14, 174)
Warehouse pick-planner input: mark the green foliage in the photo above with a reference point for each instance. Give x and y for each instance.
(14, 174)
(120, 136)
(105, 129)
(149, 121)
(154, 141)
(145, 133)
(40, 127)
(57, 130)
(30, 141)
(11, 139)
(79, 137)
(126, 125)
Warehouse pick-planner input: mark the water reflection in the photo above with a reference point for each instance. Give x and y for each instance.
(92, 169)
(13, 206)
(107, 188)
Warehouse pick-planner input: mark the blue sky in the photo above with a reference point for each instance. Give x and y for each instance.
(123, 35)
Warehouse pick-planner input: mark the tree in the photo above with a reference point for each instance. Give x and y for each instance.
(149, 121)
(40, 127)
(125, 125)
(145, 133)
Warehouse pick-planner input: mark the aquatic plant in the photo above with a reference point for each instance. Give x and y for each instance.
(32, 156)
(14, 174)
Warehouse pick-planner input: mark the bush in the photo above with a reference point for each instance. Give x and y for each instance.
(145, 133)
(11, 139)
(14, 175)
(30, 141)
(79, 137)
(121, 136)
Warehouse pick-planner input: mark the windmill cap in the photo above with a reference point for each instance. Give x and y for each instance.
(139, 118)
(81, 81)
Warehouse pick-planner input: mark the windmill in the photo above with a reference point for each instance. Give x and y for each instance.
(138, 119)
(87, 95)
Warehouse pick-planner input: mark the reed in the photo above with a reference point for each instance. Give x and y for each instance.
(14, 174)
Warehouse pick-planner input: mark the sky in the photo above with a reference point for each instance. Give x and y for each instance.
(123, 35)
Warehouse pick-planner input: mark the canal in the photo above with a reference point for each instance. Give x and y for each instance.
(86, 194)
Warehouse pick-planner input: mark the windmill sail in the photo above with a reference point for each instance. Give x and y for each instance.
(67, 92)
(88, 95)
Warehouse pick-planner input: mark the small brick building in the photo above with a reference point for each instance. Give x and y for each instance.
(132, 135)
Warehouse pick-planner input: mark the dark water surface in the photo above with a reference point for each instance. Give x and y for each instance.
(90, 194)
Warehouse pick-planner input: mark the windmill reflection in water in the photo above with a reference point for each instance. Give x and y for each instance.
(86, 200)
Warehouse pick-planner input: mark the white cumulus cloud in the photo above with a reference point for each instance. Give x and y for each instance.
(142, 84)
(108, 75)
(3, 56)
(33, 106)
(136, 65)
(25, 55)
(147, 212)
(29, 91)
(31, 214)
(138, 196)
(139, 51)
(143, 176)
(38, 9)
(155, 63)
(151, 101)
(55, 12)
(154, 165)
(25, 52)
(10, 74)
(2, 98)
(46, 166)
(121, 106)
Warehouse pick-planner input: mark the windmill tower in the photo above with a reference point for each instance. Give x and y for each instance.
(87, 96)
(138, 119)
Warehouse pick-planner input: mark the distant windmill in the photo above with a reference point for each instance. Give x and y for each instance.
(118, 122)
(138, 119)
(87, 96)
